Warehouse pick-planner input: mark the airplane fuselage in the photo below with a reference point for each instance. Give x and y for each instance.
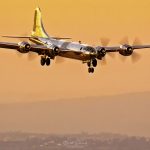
(48, 47)
(78, 51)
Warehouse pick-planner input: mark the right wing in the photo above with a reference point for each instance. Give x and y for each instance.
(40, 49)
(118, 48)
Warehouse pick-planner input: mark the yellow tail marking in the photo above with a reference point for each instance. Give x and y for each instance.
(38, 29)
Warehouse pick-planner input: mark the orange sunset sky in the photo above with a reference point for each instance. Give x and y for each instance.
(81, 101)
(85, 20)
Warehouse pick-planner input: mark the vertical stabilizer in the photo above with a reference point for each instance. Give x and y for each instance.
(38, 28)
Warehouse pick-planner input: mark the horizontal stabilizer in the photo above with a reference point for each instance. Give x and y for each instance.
(15, 37)
(28, 37)
(60, 38)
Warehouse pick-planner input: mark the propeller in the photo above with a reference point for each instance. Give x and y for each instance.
(104, 42)
(137, 41)
(59, 59)
(18, 54)
(125, 40)
(135, 56)
(104, 61)
(32, 56)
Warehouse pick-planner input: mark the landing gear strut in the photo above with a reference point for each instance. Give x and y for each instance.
(91, 64)
(45, 61)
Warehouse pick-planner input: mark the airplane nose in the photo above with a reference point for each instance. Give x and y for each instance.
(90, 51)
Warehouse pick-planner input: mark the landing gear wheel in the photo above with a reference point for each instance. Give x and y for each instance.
(91, 70)
(94, 63)
(48, 61)
(89, 64)
(43, 61)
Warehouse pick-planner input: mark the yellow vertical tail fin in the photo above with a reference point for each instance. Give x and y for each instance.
(38, 28)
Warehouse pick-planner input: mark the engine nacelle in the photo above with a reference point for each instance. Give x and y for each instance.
(56, 50)
(126, 50)
(24, 47)
(101, 52)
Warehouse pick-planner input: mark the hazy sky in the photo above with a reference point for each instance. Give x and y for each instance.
(125, 114)
(85, 20)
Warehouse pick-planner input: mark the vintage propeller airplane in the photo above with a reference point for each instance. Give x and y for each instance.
(50, 48)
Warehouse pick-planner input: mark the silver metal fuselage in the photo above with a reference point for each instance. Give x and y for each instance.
(73, 50)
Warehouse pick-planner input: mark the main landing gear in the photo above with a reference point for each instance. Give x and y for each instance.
(91, 64)
(45, 61)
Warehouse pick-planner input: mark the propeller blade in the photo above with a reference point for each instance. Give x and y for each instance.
(137, 41)
(112, 55)
(123, 58)
(19, 54)
(125, 40)
(103, 61)
(135, 57)
(31, 56)
(59, 60)
(105, 41)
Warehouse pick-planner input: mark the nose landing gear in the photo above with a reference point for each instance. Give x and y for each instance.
(91, 70)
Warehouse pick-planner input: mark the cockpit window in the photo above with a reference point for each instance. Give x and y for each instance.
(89, 48)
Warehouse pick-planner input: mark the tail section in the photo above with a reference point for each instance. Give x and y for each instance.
(38, 28)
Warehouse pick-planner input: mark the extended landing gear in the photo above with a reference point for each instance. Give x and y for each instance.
(48, 61)
(91, 70)
(45, 61)
(94, 63)
(91, 64)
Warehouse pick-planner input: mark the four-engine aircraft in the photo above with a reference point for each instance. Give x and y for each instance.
(49, 47)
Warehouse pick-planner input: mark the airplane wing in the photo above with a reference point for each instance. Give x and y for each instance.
(25, 47)
(20, 46)
(124, 47)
